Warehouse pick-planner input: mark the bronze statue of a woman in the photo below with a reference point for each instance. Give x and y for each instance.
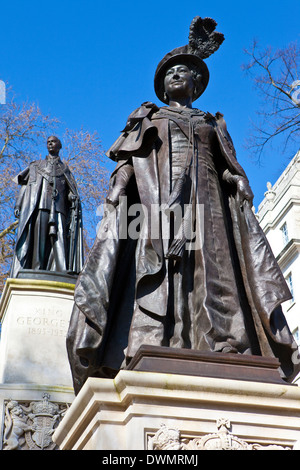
(200, 273)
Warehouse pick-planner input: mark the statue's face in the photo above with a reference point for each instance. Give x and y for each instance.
(53, 145)
(179, 82)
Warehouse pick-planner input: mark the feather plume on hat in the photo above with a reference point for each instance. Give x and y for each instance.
(203, 42)
(203, 39)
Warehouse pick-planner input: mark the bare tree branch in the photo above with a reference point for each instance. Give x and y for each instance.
(23, 134)
(275, 75)
(10, 229)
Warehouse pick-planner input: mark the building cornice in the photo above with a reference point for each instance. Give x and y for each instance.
(281, 213)
(285, 183)
(286, 255)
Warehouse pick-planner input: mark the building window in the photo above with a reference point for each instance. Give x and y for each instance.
(289, 281)
(285, 235)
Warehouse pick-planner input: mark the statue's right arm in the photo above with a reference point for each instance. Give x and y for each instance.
(118, 183)
(19, 201)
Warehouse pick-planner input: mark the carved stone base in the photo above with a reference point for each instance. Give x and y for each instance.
(152, 411)
(29, 414)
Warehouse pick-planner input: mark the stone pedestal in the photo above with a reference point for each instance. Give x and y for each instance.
(35, 316)
(148, 410)
(35, 378)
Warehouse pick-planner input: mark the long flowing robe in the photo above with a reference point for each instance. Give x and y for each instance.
(222, 294)
(35, 249)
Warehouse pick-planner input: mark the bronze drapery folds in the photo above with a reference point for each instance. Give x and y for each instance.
(194, 269)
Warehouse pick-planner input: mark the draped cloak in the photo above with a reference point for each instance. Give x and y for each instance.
(34, 199)
(226, 292)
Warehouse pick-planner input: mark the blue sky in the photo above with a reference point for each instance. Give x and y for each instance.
(90, 63)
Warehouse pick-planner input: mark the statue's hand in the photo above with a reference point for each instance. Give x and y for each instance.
(118, 184)
(72, 197)
(242, 186)
(114, 194)
(244, 190)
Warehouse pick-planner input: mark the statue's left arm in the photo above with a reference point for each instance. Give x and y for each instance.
(233, 174)
(118, 183)
(241, 184)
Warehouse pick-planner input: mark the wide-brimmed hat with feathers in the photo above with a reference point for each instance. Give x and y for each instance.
(203, 42)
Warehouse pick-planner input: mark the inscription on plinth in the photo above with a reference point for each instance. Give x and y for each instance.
(35, 320)
(45, 322)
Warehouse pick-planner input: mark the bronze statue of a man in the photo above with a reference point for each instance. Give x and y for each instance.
(49, 233)
(206, 279)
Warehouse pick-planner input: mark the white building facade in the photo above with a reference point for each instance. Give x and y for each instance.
(279, 217)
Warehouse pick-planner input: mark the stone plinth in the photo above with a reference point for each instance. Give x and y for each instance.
(35, 315)
(35, 377)
(146, 410)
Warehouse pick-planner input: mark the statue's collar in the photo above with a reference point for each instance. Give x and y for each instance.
(49, 164)
(51, 159)
(184, 112)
